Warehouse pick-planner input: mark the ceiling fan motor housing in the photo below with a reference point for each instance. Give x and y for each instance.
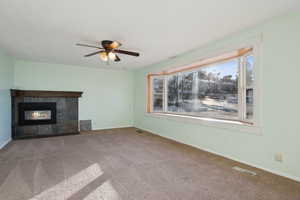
(109, 45)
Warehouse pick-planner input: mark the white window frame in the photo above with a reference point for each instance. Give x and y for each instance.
(244, 125)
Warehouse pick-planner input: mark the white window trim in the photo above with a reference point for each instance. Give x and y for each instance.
(255, 127)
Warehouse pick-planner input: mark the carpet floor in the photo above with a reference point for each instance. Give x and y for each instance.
(123, 164)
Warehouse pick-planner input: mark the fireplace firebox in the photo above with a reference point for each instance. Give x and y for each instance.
(36, 113)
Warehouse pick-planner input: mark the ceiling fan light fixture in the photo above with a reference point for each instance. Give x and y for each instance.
(103, 56)
(115, 44)
(112, 56)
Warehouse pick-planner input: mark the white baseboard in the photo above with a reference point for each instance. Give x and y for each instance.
(295, 178)
(112, 127)
(5, 143)
(252, 165)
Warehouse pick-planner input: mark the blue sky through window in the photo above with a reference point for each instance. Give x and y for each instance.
(225, 69)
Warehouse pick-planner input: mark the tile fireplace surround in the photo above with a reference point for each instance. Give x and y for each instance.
(44, 113)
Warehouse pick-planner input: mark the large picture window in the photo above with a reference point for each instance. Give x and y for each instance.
(221, 87)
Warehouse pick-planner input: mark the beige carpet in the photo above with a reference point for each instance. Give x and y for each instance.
(122, 164)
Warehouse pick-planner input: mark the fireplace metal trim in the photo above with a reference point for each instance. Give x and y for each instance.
(36, 106)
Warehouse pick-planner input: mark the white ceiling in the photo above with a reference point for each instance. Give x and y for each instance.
(47, 30)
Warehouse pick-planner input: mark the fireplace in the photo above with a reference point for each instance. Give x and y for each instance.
(35, 113)
(38, 113)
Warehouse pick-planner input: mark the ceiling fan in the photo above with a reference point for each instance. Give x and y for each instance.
(108, 51)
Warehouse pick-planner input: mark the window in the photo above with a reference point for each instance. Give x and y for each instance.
(158, 92)
(249, 86)
(221, 87)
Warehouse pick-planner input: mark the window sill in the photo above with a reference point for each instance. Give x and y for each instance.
(217, 123)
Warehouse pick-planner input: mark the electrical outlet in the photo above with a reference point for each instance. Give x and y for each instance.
(278, 157)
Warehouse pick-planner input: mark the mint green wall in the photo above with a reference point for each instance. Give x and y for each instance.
(107, 95)
(110, 97)
(280, 97)
(6, 83)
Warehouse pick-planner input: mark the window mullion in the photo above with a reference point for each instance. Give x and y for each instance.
(180, 85)
(151, 93)
(165, 94)
(242, 88)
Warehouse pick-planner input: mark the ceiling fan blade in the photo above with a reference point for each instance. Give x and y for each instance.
(86, 45)
(91, 54)
(117, 59)
(131, 53)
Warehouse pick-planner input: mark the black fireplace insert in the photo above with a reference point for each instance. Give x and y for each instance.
(36, 113)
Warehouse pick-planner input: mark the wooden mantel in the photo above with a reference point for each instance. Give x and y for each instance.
(45, 93)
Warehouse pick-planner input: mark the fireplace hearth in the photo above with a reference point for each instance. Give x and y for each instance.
(44, 113)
